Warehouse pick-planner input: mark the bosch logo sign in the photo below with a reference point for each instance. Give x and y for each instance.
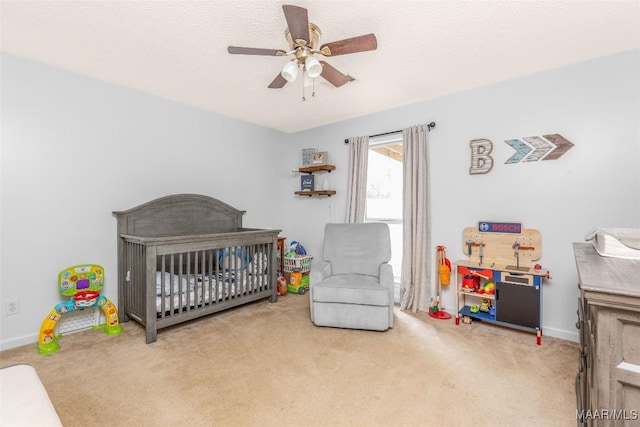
(500, 227)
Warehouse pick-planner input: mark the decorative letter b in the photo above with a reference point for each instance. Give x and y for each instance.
(481, 161)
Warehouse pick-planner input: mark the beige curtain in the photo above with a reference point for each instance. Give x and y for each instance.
(357, 179)
(416, 259)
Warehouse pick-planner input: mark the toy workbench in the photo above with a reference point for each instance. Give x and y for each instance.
(499, 282)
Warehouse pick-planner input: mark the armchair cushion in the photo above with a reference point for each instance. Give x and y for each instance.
(356, 248)
(351, 289)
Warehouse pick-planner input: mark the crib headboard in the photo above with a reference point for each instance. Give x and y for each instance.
(179, 215)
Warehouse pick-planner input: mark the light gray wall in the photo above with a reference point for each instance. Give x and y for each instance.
(596, 105)
(75, 149)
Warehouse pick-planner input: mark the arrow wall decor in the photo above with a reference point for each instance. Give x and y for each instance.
(534, 148)
(541, 146)
(563, 145)
(521, 148)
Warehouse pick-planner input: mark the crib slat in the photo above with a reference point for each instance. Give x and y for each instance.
(180, 286)
(251, 270)
(172, 279)
(197, 294)
(232, 276)
(216, 275)
(263, 270)
(163, 285)
(187, 291)
(206, 279)
(196, 279)
(203, 284)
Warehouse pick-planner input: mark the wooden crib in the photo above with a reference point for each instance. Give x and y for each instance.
(184, 256)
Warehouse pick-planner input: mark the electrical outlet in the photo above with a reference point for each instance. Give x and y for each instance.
(12, 306)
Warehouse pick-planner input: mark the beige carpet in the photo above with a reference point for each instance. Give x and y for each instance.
(267, 365)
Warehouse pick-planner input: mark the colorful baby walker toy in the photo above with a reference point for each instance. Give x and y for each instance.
(83, 284)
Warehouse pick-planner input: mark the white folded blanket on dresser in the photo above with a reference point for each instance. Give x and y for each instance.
(616, 242)
(24, 400)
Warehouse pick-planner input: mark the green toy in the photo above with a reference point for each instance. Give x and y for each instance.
(298, 283)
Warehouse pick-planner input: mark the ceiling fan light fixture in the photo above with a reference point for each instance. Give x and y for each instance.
(303, 38)
(290, 71)
(313, 67)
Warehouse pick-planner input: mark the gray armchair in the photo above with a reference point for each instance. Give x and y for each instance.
(352, 285)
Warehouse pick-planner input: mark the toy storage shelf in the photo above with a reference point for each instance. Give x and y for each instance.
(517, 303)
(466, 311)
(479, 295)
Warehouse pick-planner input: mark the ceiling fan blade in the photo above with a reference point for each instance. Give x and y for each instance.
(235, 50)
(333, 76)
(278, 82)
(352, 45)
(298, 22)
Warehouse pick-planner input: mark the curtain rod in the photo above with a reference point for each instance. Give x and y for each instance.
(429, 126)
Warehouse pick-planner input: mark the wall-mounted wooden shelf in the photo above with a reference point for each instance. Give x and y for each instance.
(311, 170)
(327, 193)
(319, 168)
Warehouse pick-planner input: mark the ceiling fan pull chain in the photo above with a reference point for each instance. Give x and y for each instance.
(313, 85)
(303, 98)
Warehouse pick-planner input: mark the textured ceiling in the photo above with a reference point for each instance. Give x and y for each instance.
(177, 49)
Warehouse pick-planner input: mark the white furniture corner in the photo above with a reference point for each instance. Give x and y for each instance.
(24, 400)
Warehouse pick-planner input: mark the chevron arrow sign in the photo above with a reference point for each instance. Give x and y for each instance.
(562, 146)
(534, 148)
(541, 146)
(521, 148)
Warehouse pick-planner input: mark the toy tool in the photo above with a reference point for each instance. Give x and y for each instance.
(444, 274)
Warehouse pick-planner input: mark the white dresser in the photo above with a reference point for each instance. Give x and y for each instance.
(608, 381)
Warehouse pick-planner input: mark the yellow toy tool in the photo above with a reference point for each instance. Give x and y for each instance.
(444, 268)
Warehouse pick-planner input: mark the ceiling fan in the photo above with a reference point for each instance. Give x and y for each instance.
(303, 38)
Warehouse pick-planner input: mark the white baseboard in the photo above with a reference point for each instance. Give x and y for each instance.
(71, 323)
(560, 333)
(20, 341)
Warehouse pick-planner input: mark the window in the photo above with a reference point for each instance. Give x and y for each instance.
(384, 193)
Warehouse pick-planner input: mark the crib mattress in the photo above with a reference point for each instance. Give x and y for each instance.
(194, 290)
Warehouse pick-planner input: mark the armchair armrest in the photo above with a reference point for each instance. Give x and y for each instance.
(319, 271)
(386, 276)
